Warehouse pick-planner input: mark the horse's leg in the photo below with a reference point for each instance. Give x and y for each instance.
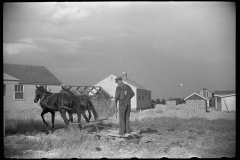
(79, 111)
(70, 113)
(92, 109)
(45, 110)
(63, 115)
(53, 117)
(89, 113)
(84, 114)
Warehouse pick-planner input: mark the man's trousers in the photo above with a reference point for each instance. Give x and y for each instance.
(124, 115)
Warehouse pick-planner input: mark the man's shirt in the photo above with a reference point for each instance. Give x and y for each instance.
(123, 92)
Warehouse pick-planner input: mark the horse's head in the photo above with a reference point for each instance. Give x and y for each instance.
(39, 92)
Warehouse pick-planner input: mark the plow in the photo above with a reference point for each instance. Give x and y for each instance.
(103, 104)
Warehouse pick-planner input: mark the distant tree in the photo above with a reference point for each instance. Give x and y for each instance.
(163, 101)
(158, 101)
(179, 101)
(153, 101)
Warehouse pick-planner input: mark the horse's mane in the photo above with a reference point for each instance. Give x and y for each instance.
(43, 90)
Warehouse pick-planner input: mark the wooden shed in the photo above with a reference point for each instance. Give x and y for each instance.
(19, 95)
(142, 98)
(225, 101)
(197, 101)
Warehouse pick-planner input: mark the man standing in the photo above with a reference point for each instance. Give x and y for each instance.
(123, 94)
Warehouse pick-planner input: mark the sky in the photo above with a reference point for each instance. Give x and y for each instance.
(172, 48)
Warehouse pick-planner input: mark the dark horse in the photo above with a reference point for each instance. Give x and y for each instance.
(62, 102)
(84, 98)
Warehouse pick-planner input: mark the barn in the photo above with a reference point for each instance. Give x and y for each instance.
(142, 98)
(197, 101)
(225, 101)
(171, 102)
(19, 84)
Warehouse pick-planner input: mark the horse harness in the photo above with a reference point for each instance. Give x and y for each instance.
(45, 102)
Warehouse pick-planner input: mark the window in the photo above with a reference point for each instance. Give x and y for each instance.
(19, 92)
(142, 95)
(145, 94)
(207, 94)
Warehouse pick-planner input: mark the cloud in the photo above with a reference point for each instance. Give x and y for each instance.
(73, 14)
(100, 37)
(26, 40)
(16, 48)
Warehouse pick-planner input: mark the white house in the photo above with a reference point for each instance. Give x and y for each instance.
(225, 100)
(19, 84)
(142, 98)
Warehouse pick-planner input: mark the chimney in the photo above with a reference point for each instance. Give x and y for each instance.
(124, 75)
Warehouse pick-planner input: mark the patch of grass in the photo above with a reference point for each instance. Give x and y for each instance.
(68, 141)
(23, 126)
(159, 111)
(194, 125)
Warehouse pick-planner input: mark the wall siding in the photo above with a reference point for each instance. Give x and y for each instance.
(198, 104)
(28, 102)
(230, 102)
(143, 103)
(206, 93)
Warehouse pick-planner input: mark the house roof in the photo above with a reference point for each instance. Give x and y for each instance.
(225, 95)
(28, 74)
(204, 89)
(7, 79)
(216, 93)
(132, 82)
(195, 96)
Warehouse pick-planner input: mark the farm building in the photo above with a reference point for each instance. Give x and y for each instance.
(206, 93)
(197, 101)
(225, 101)
(142, 98)
(19, 84)
(171, 102)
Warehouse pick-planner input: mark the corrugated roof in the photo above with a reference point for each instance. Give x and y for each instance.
(132, 83)
(224, 92)
(28, 74)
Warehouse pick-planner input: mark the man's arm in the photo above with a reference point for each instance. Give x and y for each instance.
(117, 94)
(132, 93)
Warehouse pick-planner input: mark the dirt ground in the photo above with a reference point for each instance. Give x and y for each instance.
(151, 142)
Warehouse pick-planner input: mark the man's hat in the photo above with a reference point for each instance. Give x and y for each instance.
(118, 78)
